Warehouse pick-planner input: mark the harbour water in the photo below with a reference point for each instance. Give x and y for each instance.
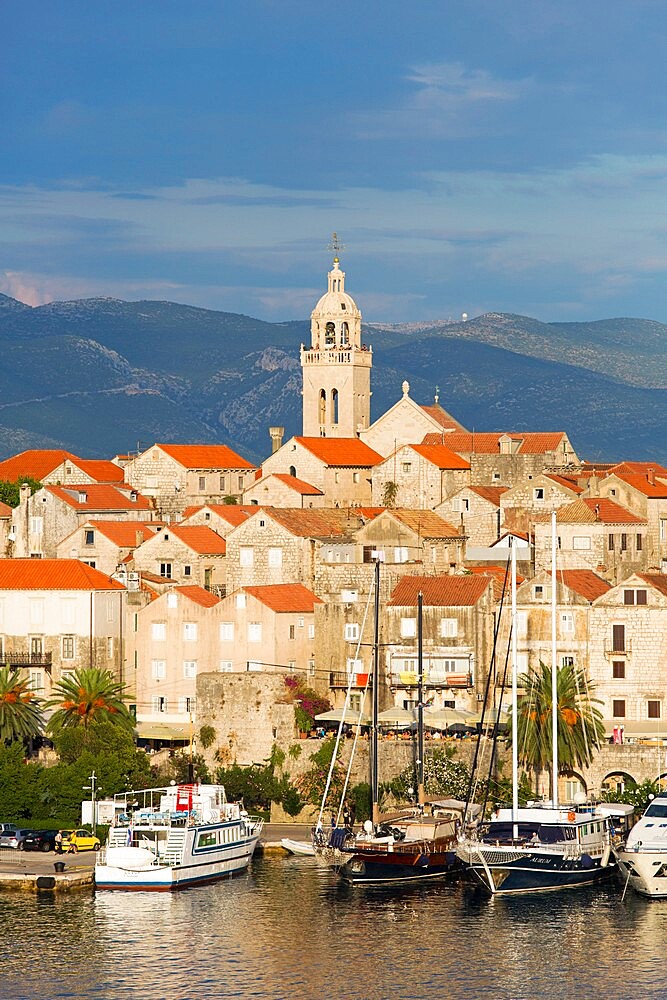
(288, 929)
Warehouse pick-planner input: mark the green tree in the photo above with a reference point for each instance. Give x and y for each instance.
(20, 710)
(10, 492)
(389, 494)
(90, 695)
(579, 722)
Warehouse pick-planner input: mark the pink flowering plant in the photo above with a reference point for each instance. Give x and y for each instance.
(307, 702)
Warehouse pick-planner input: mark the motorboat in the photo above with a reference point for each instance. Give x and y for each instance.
(177, 836)
(642, 859)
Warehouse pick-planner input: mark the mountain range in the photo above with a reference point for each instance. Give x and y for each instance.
(102, 376)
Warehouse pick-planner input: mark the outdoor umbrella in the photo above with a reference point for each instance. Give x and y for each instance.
(396, 717)
(336, 715)
(444, 718)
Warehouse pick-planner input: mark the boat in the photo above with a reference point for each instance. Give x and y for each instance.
(543, 845)
(642, 858)
(300, 847)
(173, 837)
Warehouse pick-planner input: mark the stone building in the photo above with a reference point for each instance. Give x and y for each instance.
(177, 476)
(57, 467)
(536, 495)
(594, 533)
(186, 554)
(266, 629)
(628, 654)
(642, 488)
(57, 616)
(283, 490)
(419, 475)
(408, 422)
(341, 468)
(508, 459)
(222, 518)
(475, 510)
(106, 544)
(41, 521)
(406, 536)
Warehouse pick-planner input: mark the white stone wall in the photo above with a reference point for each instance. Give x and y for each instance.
(208, 569)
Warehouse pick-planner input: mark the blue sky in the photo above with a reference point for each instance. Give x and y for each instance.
(474, 156)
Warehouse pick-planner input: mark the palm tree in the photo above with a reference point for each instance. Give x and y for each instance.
(20, 709)
(90, 695)
(579, 722)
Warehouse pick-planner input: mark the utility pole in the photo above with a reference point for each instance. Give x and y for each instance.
(91, 788)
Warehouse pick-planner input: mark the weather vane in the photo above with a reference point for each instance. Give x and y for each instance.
(335, 245)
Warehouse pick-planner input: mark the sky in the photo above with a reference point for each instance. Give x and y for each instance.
(473, 156)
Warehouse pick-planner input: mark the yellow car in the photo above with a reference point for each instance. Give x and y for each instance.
(79, 840)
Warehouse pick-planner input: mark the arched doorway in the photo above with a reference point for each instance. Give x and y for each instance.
(571, 787)
(616, 782)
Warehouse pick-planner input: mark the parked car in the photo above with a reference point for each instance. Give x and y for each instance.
(14, 839)
(40, 840)
(7, 828)
(79, 840)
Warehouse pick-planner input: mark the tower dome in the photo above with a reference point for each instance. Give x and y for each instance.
(335, 321)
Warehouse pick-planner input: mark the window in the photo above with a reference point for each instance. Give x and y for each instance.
(465, 503)
(292, 632)
(581, 542)
(240, 601)
(172, 600)
(311, 630)
(68, 647)
(640, 596)
(254, 631)
(521, 622)
(610, 543)
(187, 571)
(86, 562)
(538, 591)
(246, 555)
(408, 628)
(653, 709)
(275, 557)
(111, 609)
(159, 631)
(189, 668)
(618, 637)
(158, 703)
(36, 680)
(36, 525)
(190, 631)
(226, 666)
(158, 669)
(202, 484)
(567, 622)
(538, 493)
(618, 669)
(618, 708)
(165, 570)
(89, 537)
(226, 631)
(449, 628)
(567, 661)
(624, 542)
(406, 466)
(628, 597)
(639, 543)
(355, 666)
(36, 611)
(300, 621)
(401, 554)
(223, 485)
(351, 631)
(186, 704)
(110, 646)
(240, 482)
(663, 529)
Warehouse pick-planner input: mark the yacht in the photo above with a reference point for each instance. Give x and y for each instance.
(642, 859)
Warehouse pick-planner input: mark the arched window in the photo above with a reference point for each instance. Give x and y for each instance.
(292, 471)
(334, 406)
(330, 335)
(323, 407)
(344, 334)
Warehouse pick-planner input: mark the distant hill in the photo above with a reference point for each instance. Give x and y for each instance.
(99, 376)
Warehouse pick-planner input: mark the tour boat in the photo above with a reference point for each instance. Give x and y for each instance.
(642, 859)
(173, 837)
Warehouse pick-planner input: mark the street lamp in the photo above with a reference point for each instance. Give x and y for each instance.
(91, 788)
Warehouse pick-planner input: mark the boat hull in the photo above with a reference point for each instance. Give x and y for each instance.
(167, 878)
(532, 871)
(644, 871)
(382, 867)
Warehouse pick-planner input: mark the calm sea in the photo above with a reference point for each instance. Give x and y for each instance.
(288, 930)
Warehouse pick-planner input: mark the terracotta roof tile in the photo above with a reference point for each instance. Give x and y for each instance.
(445, 419)
(441, 456)
(657, 580)
(5, 509)
(200, 538)
(566, 481)
(426, 523)
(35, 463)
(497, 574)
(340, 451)
(100, 470)
(488, 442)
(298, 485)
(322, 522)
(205, 456)
(53, 574)
(640, 468)
(285, 597)
(99, 496)
(124, 533)
(198, 595)
(584, 582)
(657, 490)
(233, 513)
(591, 510)
(490, 493)
(439, 591)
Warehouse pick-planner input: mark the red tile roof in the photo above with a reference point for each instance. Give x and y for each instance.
(657, 580)
(591, 510)
(565, 481)
(198, 595)
(53, 574)
(286, 597)
(488, 443)
(200, 538)
(99, 496)
(490, 493)
(439, 591)
(5, 509)
(584, 582)
(445, 419)
(100, 470)
(205, 456)
(233, 513)
(298, 485)
(497, 574)
(656, 490)
(441, 456)
(340, 451)
(640, 467)
(322, 522)
(124, 533)
(426, 523)
(35, 463)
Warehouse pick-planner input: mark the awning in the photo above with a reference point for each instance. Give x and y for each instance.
(655, 728)
(162, 731)
(336, 714)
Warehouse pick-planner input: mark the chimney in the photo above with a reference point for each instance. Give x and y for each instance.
(24, 492)
(276, 438)
(597, 512)
(650, 475)
(139, 538)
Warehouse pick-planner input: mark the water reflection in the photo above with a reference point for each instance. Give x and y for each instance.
(288, 929)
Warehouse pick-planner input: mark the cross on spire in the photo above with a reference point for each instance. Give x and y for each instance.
(336, 246)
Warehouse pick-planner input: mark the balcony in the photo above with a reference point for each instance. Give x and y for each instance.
(611, 648)
(339, 679)
(27, 660)
(406, 679)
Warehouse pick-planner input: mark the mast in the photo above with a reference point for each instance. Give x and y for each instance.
(420, 701)
(554, 668)
(515, 741)
(376, 685)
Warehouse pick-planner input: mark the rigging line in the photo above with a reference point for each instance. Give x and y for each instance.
(495, 729)
(472, 783)
(334, 755)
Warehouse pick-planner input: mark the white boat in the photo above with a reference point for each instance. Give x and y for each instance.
(300, 847)
(643, 857)
(173, 837)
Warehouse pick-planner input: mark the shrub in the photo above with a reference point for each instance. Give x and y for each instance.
(307, 702)
(207, 736)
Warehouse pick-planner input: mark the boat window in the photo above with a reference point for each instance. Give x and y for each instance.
(207, 839)
(556, 834)
(657, 809)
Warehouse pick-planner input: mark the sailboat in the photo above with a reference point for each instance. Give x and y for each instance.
(413, 844)
(543, 845)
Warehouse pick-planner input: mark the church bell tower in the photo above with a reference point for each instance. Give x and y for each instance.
(336, 367)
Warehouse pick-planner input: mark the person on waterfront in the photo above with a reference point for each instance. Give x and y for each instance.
(346, 816)
(59, 842)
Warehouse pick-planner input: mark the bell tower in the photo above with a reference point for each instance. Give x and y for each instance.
(337, 366)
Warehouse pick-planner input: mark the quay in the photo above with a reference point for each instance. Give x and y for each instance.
(34, 871)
